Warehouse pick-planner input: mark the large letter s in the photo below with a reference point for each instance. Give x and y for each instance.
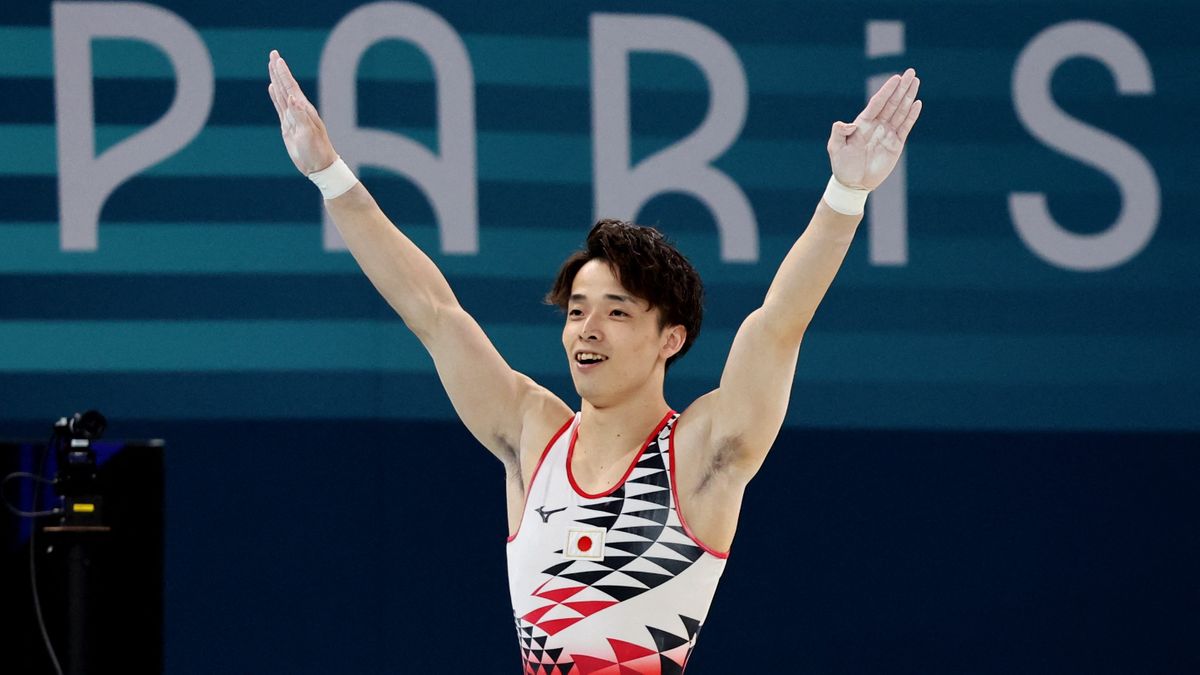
(1135, 178)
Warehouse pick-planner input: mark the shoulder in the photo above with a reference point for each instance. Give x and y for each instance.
(540, 414)
(545, 419)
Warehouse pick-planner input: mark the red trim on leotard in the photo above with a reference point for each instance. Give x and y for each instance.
(532, 478)
(571, 451)
(678, 506)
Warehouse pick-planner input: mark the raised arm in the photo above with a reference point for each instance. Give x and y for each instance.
(497, 404)
(743, 416)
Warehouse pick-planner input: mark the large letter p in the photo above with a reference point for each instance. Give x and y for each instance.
(85, 181)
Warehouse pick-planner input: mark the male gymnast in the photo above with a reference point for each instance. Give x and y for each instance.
(620, 515)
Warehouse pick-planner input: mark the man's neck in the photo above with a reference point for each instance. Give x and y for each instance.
(611, 432)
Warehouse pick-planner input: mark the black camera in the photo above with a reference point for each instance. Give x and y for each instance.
(75, 481)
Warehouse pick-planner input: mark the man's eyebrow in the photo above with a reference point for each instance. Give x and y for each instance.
(580, 297)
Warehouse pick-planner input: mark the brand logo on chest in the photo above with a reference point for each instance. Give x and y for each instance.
(546, 514)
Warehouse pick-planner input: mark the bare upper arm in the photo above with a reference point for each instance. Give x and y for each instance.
(502, 408)
(742, 417)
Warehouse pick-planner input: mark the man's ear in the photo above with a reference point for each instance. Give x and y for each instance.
(673, 339)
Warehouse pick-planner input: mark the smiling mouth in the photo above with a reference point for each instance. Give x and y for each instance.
(589, 358)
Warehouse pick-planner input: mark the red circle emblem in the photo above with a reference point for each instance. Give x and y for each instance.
(584, 543)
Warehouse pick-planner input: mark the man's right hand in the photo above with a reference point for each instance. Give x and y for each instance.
(303, 131)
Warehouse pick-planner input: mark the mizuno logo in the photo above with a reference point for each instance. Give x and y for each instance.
(546, 514)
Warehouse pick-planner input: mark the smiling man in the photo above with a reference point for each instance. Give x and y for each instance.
(621, 514)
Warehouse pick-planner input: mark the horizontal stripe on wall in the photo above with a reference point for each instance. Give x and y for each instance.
(528, 108)
(289, 200)
(387, 345)
(947, 168)
(333, 395)
(492, 299)
(963, 262)
(951, 23)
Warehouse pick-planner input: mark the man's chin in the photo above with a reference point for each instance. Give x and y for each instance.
(592, 394)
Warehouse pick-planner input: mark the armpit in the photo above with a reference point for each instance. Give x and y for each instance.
(722, 460)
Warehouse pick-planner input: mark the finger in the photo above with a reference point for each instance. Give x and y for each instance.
(880, 98)
(278, 96)
(275, 103)
(897, 96)
(838, 135)
(294, 114)
(290, 86)
(909, 121)
(301, 114)
(311, 112)
(306, 114)
(271, 71)
(274, 94)
(286, 82)
(283, 75)
(902, 110)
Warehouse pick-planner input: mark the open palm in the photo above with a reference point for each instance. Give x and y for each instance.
(303, 132)
(864, 152)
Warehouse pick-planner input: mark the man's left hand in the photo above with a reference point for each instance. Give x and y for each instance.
(864, 152)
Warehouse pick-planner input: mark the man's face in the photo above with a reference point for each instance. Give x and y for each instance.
(612, 338)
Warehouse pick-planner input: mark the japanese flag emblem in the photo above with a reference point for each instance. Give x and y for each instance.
(584, 544)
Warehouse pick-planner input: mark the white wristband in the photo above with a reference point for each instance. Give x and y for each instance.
(334, 180)
(842, 199)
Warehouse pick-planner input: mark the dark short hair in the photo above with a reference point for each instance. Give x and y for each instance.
(648, 266)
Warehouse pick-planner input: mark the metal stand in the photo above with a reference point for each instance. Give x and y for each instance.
(77, 542)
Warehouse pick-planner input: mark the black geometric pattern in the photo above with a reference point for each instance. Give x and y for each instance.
(672, 652)
(645, 543)
(669, 642)
(535, 658)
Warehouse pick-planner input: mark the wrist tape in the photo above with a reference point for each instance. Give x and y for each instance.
(334, 180)
(847, 200)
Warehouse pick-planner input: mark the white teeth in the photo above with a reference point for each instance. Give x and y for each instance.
(589, 357)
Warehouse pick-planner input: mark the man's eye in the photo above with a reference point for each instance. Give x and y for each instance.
(575, 312)
(619, 312)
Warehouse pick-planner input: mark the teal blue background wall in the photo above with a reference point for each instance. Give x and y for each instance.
(1036, 425)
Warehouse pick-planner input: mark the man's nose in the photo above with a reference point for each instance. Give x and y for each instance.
(590, 332)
